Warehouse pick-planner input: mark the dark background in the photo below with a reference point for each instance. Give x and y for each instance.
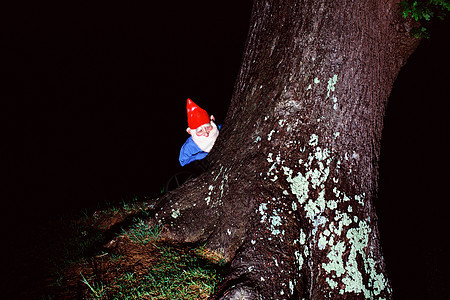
(94, 98)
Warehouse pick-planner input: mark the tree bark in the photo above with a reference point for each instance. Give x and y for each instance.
(288, 196)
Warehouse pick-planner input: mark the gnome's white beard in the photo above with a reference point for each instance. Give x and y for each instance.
(205, 143)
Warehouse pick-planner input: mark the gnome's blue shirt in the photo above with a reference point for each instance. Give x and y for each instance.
(190, 152)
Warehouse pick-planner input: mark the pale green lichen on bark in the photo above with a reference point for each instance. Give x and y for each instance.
(275, 221)
(299, 259)
(208, 198)
(338, 264)
(313, 140)
(335, 263)
(331, 85)
(299, 185)
(313, 177)
(349, 269)
(291, 287)
(322, 242)
(175, 213)
(333, 284)
(269, 137)
(262, 210)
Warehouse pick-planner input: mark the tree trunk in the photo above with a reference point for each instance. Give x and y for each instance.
(288, 197)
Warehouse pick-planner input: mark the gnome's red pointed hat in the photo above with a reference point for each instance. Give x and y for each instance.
(196, 115)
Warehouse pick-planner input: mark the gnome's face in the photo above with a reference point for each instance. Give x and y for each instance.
(205, 135)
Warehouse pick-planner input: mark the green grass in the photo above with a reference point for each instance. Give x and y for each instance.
(176, 275)
(140, 232)
(79, 260)
(96, 289)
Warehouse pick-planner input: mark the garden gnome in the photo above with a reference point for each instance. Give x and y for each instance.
(203, 131)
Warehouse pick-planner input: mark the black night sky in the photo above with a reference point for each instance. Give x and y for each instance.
(95, 99)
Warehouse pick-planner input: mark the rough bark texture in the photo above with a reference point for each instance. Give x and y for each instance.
(288, 196)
